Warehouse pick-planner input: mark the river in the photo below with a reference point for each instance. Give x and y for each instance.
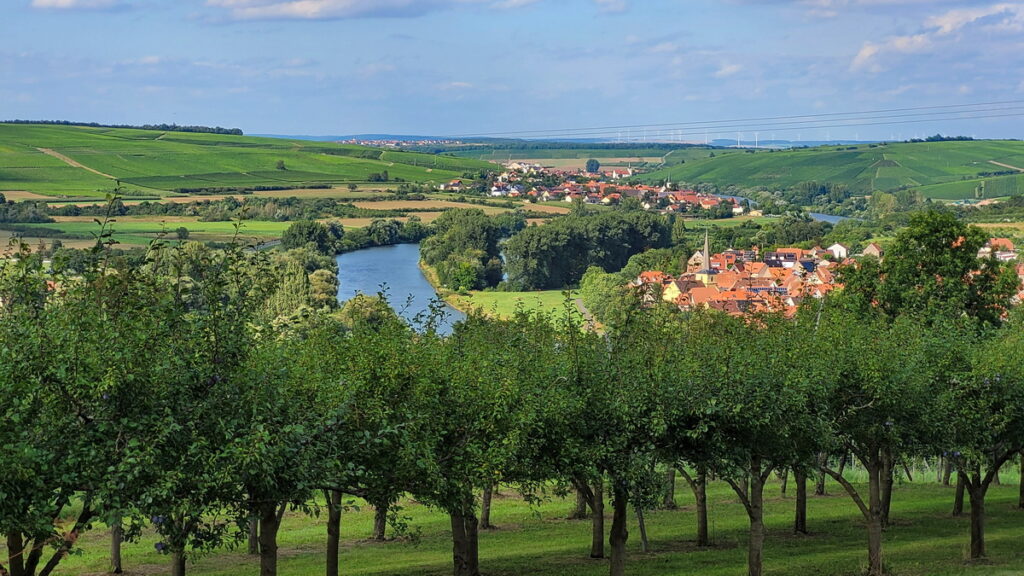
(394, 270)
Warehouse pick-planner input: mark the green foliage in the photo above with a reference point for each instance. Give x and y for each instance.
(932, 270)
(464, 249)
(557, 255)
(593, 165)
(325, 238)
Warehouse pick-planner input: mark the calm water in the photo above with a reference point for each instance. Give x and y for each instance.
(395, 271)
(827, 217)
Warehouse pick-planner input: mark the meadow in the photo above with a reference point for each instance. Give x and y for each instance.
(940, 170)
(924, 539)
(158, 163)
(505, 304)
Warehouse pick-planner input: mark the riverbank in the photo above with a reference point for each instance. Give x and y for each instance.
(501, 304)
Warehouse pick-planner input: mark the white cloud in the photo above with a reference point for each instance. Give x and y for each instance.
(75, 4)
(727, 70)
(937, 31)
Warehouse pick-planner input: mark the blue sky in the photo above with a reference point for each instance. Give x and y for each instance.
(475, 66)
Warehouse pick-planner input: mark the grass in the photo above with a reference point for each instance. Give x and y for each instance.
(505, 304)
(161, 162)
(941, 170)
(924, 540)
(140, 230)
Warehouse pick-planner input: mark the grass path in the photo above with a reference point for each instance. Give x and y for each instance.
(73, 163)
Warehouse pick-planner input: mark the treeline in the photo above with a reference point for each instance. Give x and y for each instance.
(231, 208)
(160, 127)
(23, 212)
(941, 138)
(556, 255)
(192, 402)
(332, 239)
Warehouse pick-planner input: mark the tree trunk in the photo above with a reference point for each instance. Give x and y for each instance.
(669, 502)
(938, 469)
(947, 470)
(875, 564)
(177, 563)
(619, 533)
(380, 522)
(995, 478)
(116, 537)
(254, 535)
(460, 546)
(800, 521)
(465, 539)
(784, 480)
(597, 521)
(1020, 496)
(842, 462)
(270, 522)
(473, 534)
(580, 511)
(958, 499)
(755, 510)
(485, 508)
(16, 553)
(887, 480)
(700, 495)
(819, 487)
(333, 532)
(977, 495)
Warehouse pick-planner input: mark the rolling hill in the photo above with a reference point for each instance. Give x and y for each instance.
(940, 170)
(76, 161)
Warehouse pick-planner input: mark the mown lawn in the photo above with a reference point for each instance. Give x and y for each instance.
(923, 541)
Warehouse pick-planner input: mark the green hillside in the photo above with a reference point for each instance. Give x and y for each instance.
(941, 170)
(80, 161)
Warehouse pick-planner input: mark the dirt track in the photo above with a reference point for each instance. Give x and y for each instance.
(71, 162)
(1006, 166)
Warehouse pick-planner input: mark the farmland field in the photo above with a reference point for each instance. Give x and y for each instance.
(941, 170)
(537, 540)
(162, 162)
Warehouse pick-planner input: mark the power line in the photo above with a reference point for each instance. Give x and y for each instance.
(807, 119)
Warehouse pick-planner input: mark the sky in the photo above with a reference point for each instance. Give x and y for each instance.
(459, 67)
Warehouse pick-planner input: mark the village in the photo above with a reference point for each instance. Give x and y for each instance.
(739, 282)
(532, 182)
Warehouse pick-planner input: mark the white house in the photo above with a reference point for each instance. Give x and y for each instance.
(839, 251)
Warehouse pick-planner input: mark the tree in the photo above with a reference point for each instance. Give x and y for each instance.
(756, 403)
(880, 392)
(84, 356)
(593, 166)
(309, 232)
(182, 233)
(932, 270)
(280, 165)
(986, 410)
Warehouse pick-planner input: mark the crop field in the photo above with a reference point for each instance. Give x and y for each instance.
(162, 162)
(957, 166)
(537, 540)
